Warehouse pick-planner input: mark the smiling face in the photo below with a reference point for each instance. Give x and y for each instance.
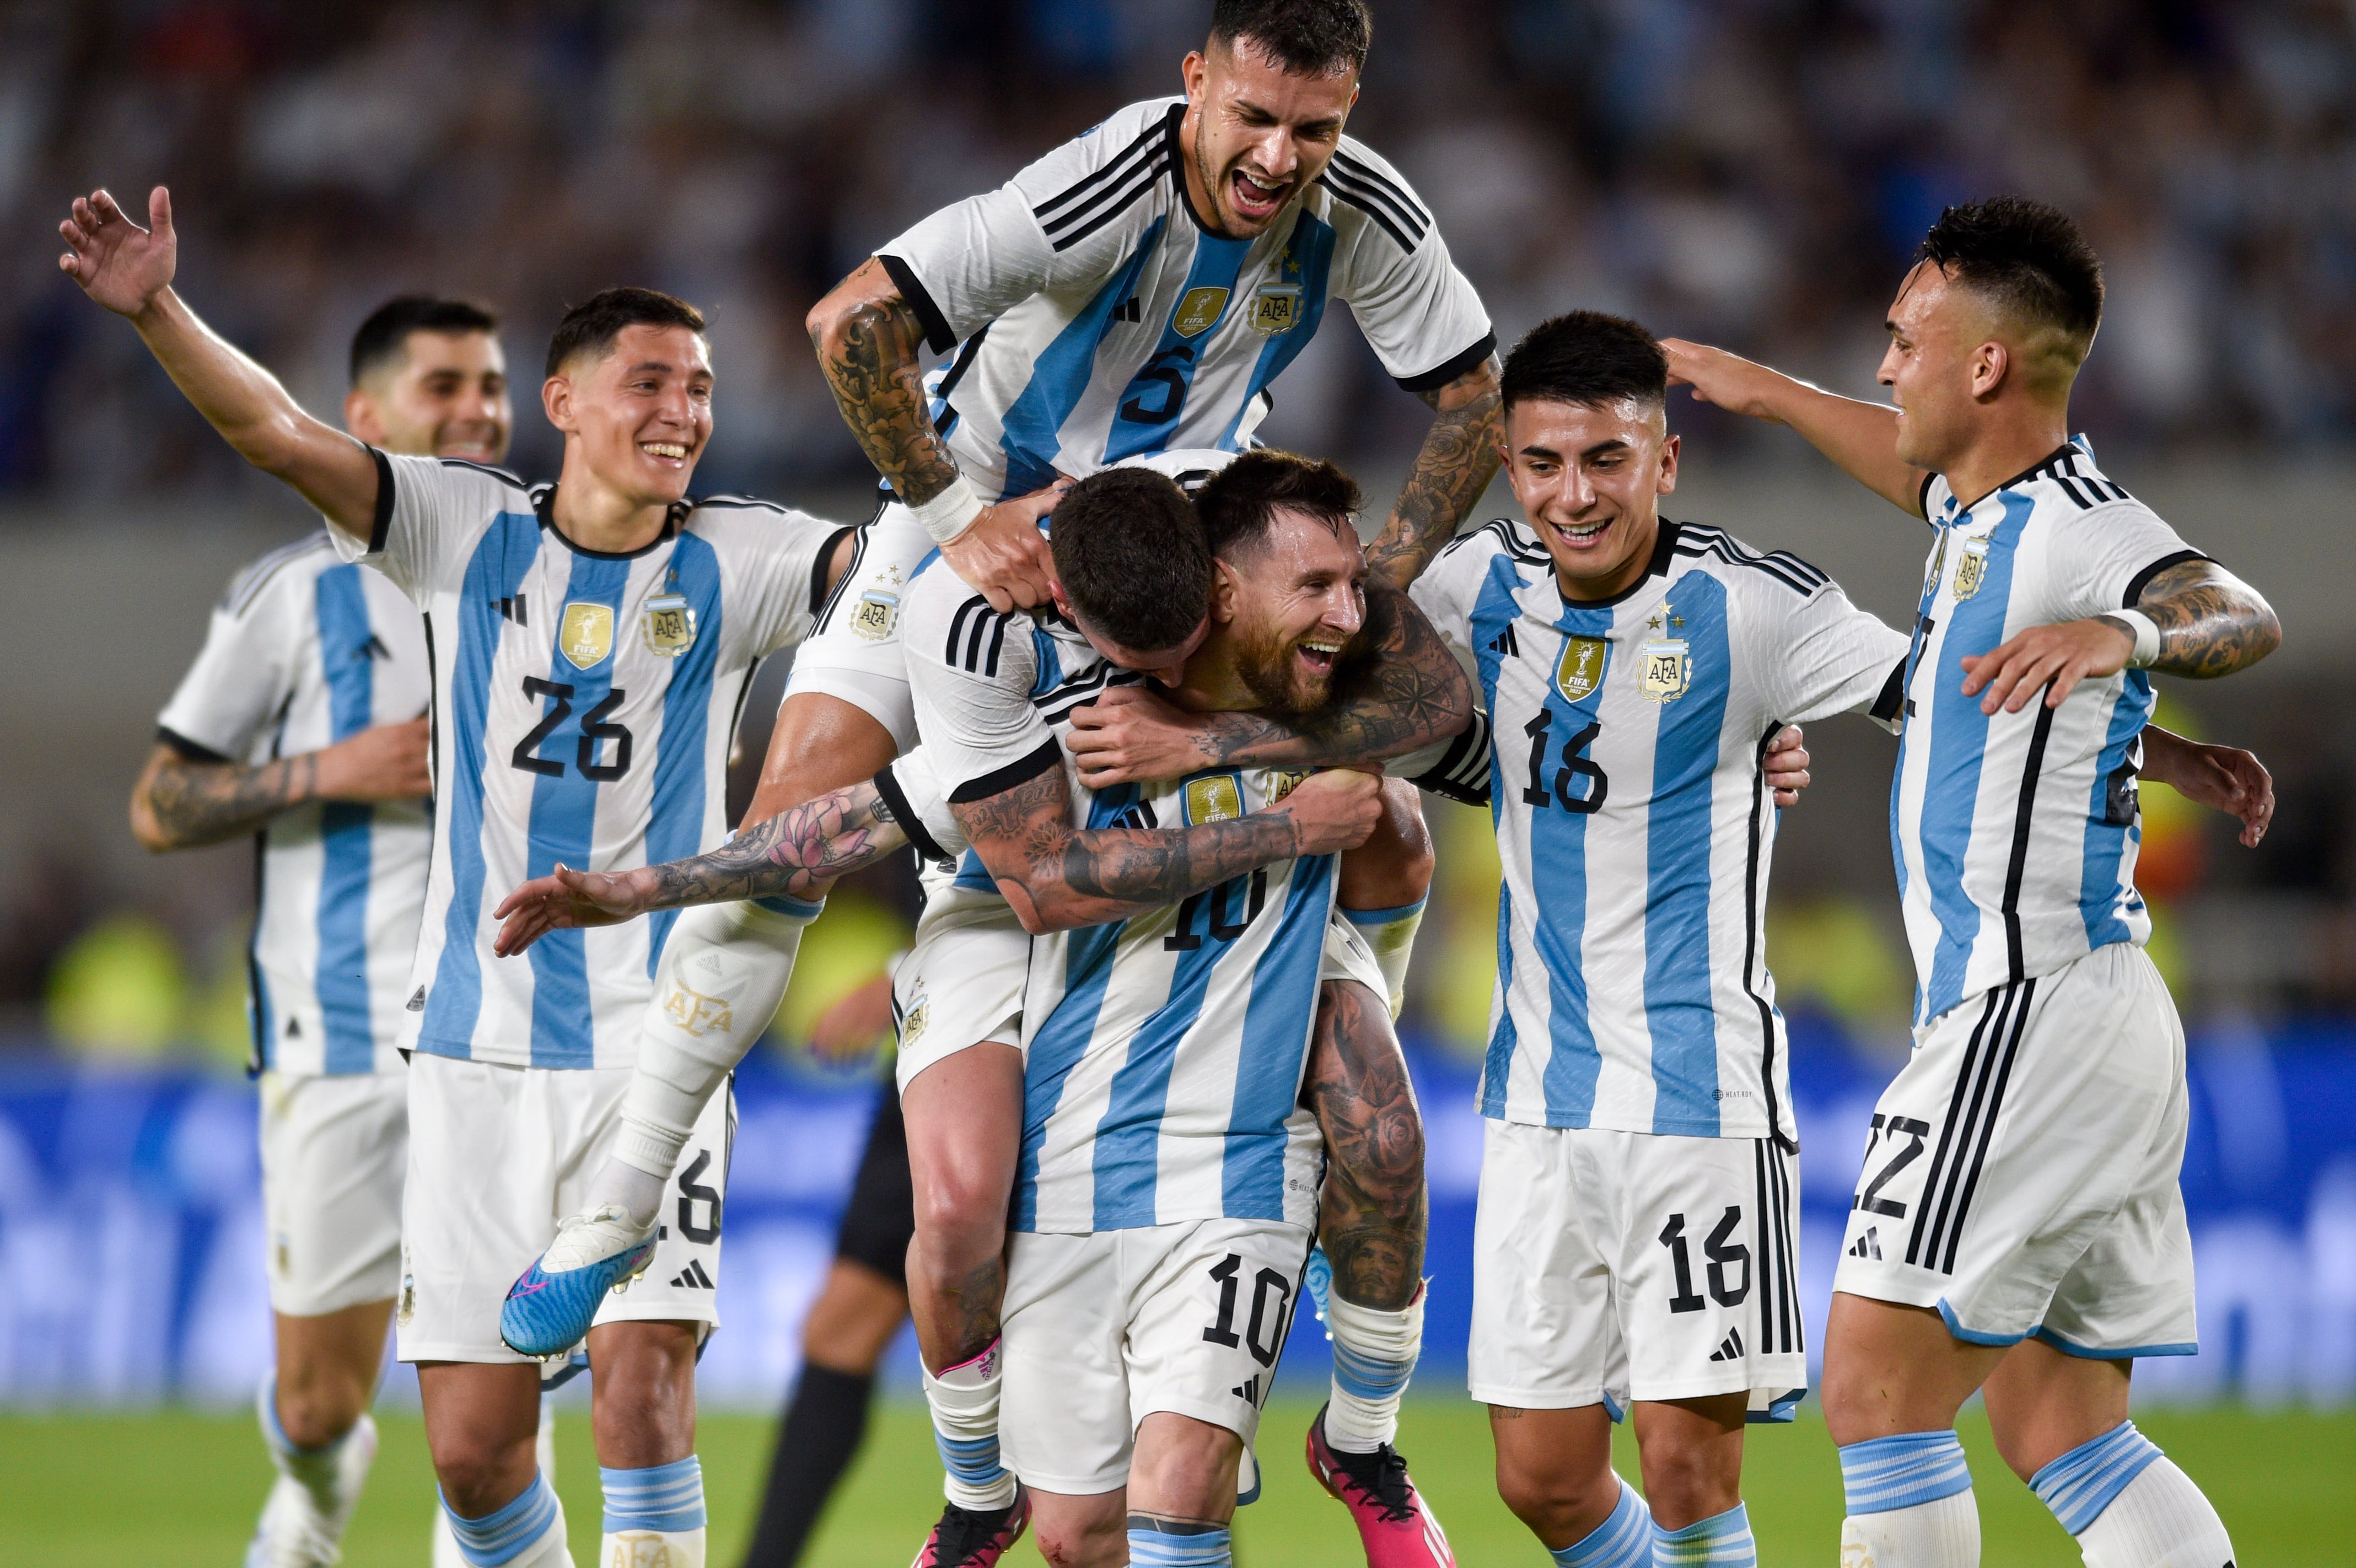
(641, 413)
(1255, 134)
(1590, 478)
(1292, 605)
(1942, 357)
(447, 396)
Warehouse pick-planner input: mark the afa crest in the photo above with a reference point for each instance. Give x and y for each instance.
(1284, 781)
(669, 624)
(1219, 798)
(1666, 663)
(1971, 568)
(1580, 669)
(586, 634)
(697, 1014)
(912, 1026)
(1199, 311)
(875, 615)
(1276, 308)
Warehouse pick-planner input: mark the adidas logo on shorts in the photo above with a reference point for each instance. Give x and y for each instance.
(692, 1277)
(1731, 1348)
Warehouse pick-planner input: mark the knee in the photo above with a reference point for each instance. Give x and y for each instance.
(1081, 1542)
(313, 1412)
(960, 1219)
(1556, 1505)
(479, 1479)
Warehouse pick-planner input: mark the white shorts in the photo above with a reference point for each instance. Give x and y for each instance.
(2021, 1173)
(498, 1155)
(961, 983)
(333, 1150)
(1102, 1330)
(1610, 1266)
(855, 654)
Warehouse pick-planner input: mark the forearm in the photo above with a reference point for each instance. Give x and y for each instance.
(867, 341)
(1458, 457)
(1861, 438)
(1410, 692)
(182, 804)
(2210, 622)
(797, 854)
(2167, 758)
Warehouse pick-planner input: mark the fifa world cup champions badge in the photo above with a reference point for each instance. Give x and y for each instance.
(586, 634)
(1580, 669)
(1667, 660)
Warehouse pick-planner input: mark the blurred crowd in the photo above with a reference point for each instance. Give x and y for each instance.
(1753, 172)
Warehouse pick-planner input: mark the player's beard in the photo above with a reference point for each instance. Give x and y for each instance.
(1279, 683)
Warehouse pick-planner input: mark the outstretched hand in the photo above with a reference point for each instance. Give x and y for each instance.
(2223, 778)
(2056, 656)
(121, 265)
(564, 900)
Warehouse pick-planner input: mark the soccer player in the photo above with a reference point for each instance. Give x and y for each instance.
(588, 642)
(303, 723)
(2018, 1227)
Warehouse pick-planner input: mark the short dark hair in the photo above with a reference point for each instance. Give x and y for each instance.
(2029, 260)
(1307, 37)
(591, 326)
(383, 337)
(1587, 358)
(1239, 503)
(1129, 554)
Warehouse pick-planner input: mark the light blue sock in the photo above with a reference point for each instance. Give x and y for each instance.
(1623, 1540)
(1884, 1474)
(1722, 1540)
(508, 1533)
(2081, 1484)
(1161, 1544)
(663, 1498)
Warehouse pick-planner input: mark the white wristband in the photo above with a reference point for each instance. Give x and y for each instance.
(2146, 637)
(950, 513)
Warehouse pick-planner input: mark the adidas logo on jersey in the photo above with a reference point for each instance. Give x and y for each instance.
(692, 1277)
(1248, 1389)
(1731, 1348)
(1868, 1245)
(417, 1001)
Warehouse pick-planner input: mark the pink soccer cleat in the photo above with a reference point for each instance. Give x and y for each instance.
(967, 1539)
(1397, 1529)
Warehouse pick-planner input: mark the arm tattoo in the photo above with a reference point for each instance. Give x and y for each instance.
(2210, 622)
(1401, 690)
(877, 383)
(1458, 460)
(209, 802)
(1371, 1214)
(796, 853)
(1089, 876)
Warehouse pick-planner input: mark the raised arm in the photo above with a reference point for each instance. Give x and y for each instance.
(129, 270)
(868, 338)
(1408, 691)
(2211, 623)
(2225, 778)
(1056, 877)
(1862, 437)
(184, 803)
(1459, 458)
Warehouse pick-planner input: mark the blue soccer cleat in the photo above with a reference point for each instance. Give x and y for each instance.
(550, 1307)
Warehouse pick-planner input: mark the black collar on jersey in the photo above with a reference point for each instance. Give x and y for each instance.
(544, 503)
(1665, 553)
(2056, 455)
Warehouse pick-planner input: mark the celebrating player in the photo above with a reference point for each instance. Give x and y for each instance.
(2018, 1227)
(303, 721)
(588, 639)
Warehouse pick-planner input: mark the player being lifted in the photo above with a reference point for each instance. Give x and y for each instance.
(303, 722)
(587, 641)
(1135, 291)
(2018, 1227)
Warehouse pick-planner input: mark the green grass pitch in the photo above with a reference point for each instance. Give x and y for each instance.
(174, 1488)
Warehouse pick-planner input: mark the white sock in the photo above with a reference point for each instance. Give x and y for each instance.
(2130, 1507)
(1374, 1354)
(724, 971)
(654, 1517)
(319, 1471)
(1391, 933)
(964, 1401)
(544, 1445)
(1910, 1503)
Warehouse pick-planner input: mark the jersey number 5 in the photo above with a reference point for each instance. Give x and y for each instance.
(1574, 765)
(597, 728)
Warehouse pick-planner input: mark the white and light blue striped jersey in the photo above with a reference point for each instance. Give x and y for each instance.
(1100, 319)
(583, 706)
(2015, 835)
(1635, 822)
(304, 652)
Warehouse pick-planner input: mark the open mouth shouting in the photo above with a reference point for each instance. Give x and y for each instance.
(1255, 200)
(1317, 657)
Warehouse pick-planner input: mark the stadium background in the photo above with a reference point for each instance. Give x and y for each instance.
(1746, 172)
